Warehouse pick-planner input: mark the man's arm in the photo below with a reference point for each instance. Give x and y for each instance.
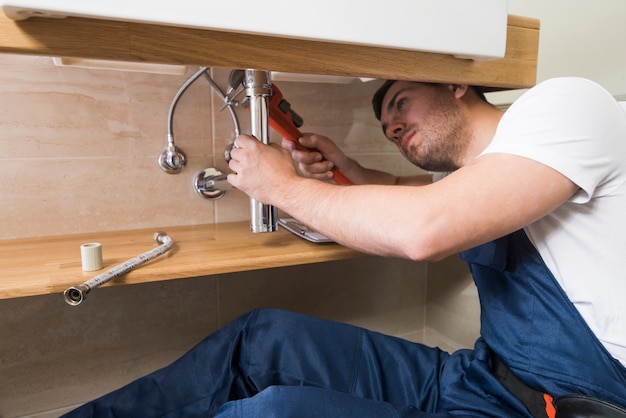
(495, 195)
(325, 155)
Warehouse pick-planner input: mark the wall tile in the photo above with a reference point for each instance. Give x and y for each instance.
(57, 196)
(453, 310)
(340, 111)
(79, 149)
(54, 355)
(77, 145)
(381, 294)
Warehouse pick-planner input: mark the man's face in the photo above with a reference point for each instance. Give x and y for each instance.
(426, 123)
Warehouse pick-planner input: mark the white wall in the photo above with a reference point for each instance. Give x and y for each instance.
(583, 38)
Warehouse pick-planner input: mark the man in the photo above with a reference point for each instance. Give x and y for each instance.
(534, 200)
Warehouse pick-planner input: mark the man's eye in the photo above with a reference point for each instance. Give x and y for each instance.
(401, 104)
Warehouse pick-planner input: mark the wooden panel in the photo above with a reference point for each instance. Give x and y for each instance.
(91, 38)
(65, 37)
(38, 266)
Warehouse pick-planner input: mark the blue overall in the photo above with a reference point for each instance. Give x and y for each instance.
(271, 363)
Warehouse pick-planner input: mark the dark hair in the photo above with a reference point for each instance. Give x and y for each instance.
(377, 99)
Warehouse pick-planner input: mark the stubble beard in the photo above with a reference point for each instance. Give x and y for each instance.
(444, 137)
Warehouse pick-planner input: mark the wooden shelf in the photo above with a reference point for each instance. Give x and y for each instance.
(37, 266)
(139, 42)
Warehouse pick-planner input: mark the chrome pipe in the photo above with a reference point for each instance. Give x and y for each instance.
(258, 88)
(228, 104)
(75, 295)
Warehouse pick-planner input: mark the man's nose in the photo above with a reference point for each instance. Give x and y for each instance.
(393, 130)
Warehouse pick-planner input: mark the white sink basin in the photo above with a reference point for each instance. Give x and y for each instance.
(470, 29)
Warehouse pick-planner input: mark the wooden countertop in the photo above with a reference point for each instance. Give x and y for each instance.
(37, 266)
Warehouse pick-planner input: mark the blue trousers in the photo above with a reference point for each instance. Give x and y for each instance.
(272, 363)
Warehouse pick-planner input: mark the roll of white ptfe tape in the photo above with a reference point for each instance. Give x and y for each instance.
(91, 256)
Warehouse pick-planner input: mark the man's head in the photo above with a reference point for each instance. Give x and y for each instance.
(377, 99)
(426, 121)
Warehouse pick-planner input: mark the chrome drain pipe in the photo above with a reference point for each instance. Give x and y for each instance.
(75, 295)
(258, 88)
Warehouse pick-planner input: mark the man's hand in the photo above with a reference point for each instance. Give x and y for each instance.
(260, 170)
(323, 157)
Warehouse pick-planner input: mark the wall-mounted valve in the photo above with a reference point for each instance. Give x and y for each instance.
(211, 183)
(172, 160)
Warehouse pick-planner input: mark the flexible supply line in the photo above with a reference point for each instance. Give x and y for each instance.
(173, 160)
(76, 294)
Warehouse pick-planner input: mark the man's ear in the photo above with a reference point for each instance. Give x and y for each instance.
(458, 90)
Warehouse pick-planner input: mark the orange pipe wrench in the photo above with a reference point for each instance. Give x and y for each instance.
(281, 119)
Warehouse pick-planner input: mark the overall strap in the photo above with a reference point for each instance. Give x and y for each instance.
(539, 404)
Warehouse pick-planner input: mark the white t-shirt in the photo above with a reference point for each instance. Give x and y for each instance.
(576, 127)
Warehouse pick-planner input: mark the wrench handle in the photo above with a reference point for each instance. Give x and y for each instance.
(282, 123)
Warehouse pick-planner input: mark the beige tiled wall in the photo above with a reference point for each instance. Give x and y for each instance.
(79, 147)
(78, 153)
(452, 310)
